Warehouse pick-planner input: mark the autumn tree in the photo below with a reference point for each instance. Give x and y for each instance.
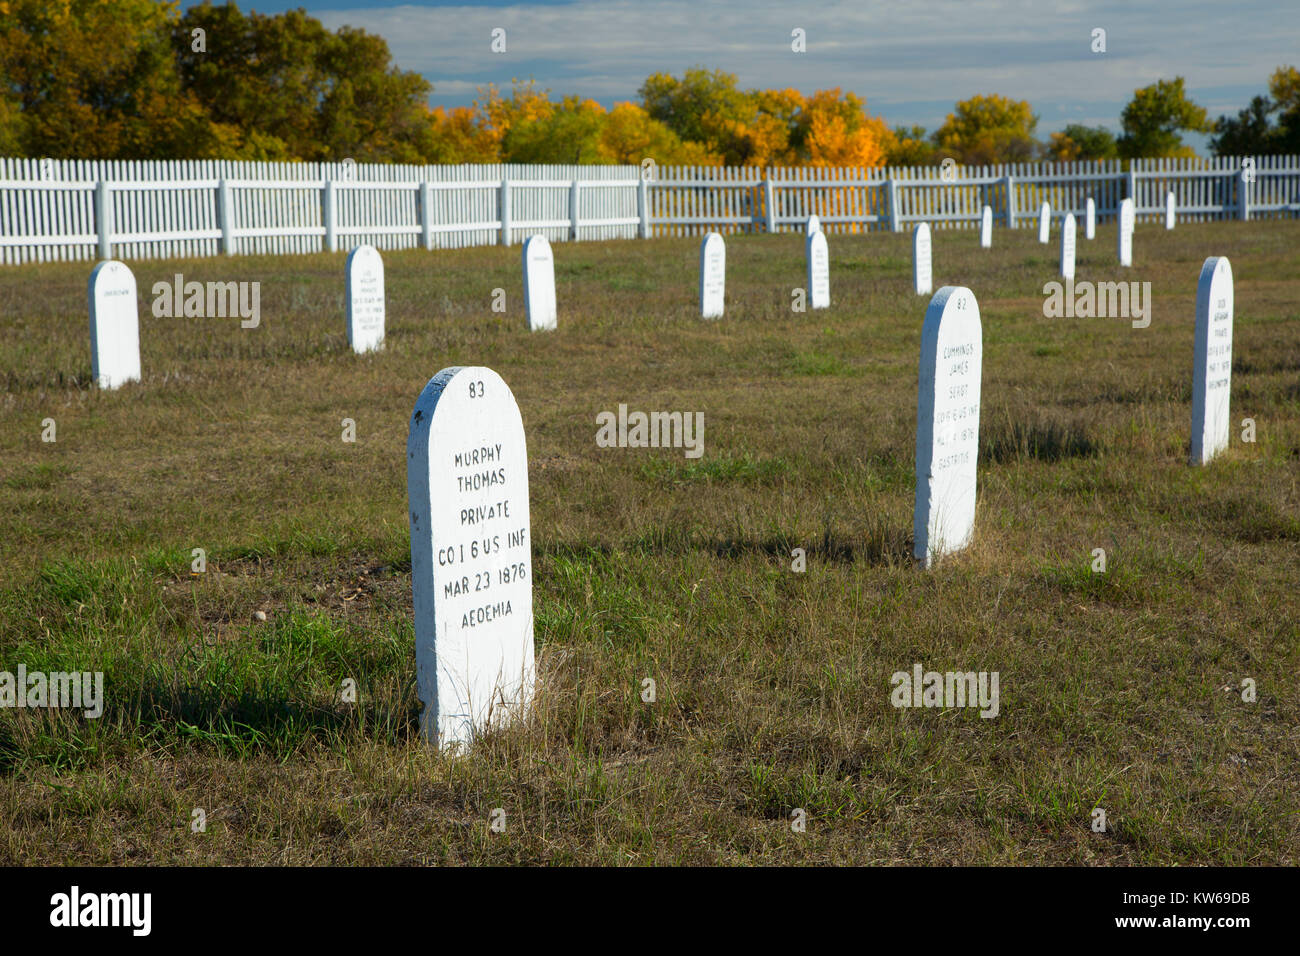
(459, 137)
(1155, 118)
(497, 114)
(704, 107)
(630, 136)
(910, 146)
(984, 130)
(91, 79)
(765, 127)
(835, 130)
(1083, 142)
(568, 133)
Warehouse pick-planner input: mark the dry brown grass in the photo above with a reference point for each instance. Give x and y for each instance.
(1120, 691)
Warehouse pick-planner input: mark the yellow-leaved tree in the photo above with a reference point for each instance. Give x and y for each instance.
(984, 130)
(630, 135)
(836, 131)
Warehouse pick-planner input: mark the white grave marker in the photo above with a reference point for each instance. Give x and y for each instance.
(539, 283)
(471, 561)
(713, 275)
(922, 275)
(1171, 210)
(1068, 229)
(1125, 232)
(819, 270)
(365, 292)
(1090, 219)
(1044, 221)
(114, 325)
(1212, 374)
(814, 225)
(947, 424)
(986, 228)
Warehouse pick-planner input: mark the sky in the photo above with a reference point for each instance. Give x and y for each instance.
(910, 59)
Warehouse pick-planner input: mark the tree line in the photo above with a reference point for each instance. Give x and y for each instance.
(138, 79)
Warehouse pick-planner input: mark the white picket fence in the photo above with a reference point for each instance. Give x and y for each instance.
(86, 209)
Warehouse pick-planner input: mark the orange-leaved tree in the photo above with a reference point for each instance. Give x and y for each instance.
(835, 130)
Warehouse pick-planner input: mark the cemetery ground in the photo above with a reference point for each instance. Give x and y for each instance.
(1120, 690)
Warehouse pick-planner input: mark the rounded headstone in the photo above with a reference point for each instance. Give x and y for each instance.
(365, 295)
(986, 227)
(713, 276)
(1212, 371)
(1044, 221)
(471, 560)
(819, 270)
(539, 283)
(922, 277)
(114, 325)
(947, 424)
(1125, 233)
(1068, 229)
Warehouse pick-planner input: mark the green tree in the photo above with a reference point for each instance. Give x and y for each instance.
(1083, 142)
(1250, 133)
(911, 146)
(1155, 118)
(1270, 125)
(1284, 86)
(94, 80)
(284, 86)
(989, 129)
(372, 111)
(704, 107)
(570, 133)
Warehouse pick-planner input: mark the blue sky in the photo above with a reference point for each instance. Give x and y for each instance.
(910, 59)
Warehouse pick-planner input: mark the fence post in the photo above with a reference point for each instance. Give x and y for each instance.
(769, 205)
(1133, 189)
(426, 214)
(573, 209)
(225, 215)
(104, 218)
(504, 203)
(1009, 183)
(329, 215)
(895, 223)
(643, 208)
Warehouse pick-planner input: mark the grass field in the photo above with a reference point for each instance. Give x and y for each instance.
(1119, 690)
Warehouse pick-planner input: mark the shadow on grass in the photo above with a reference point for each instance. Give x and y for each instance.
(1252, 519)
(1004, 442)
(882, 544)
(171, 718)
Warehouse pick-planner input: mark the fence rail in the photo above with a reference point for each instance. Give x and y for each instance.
(85, 209)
